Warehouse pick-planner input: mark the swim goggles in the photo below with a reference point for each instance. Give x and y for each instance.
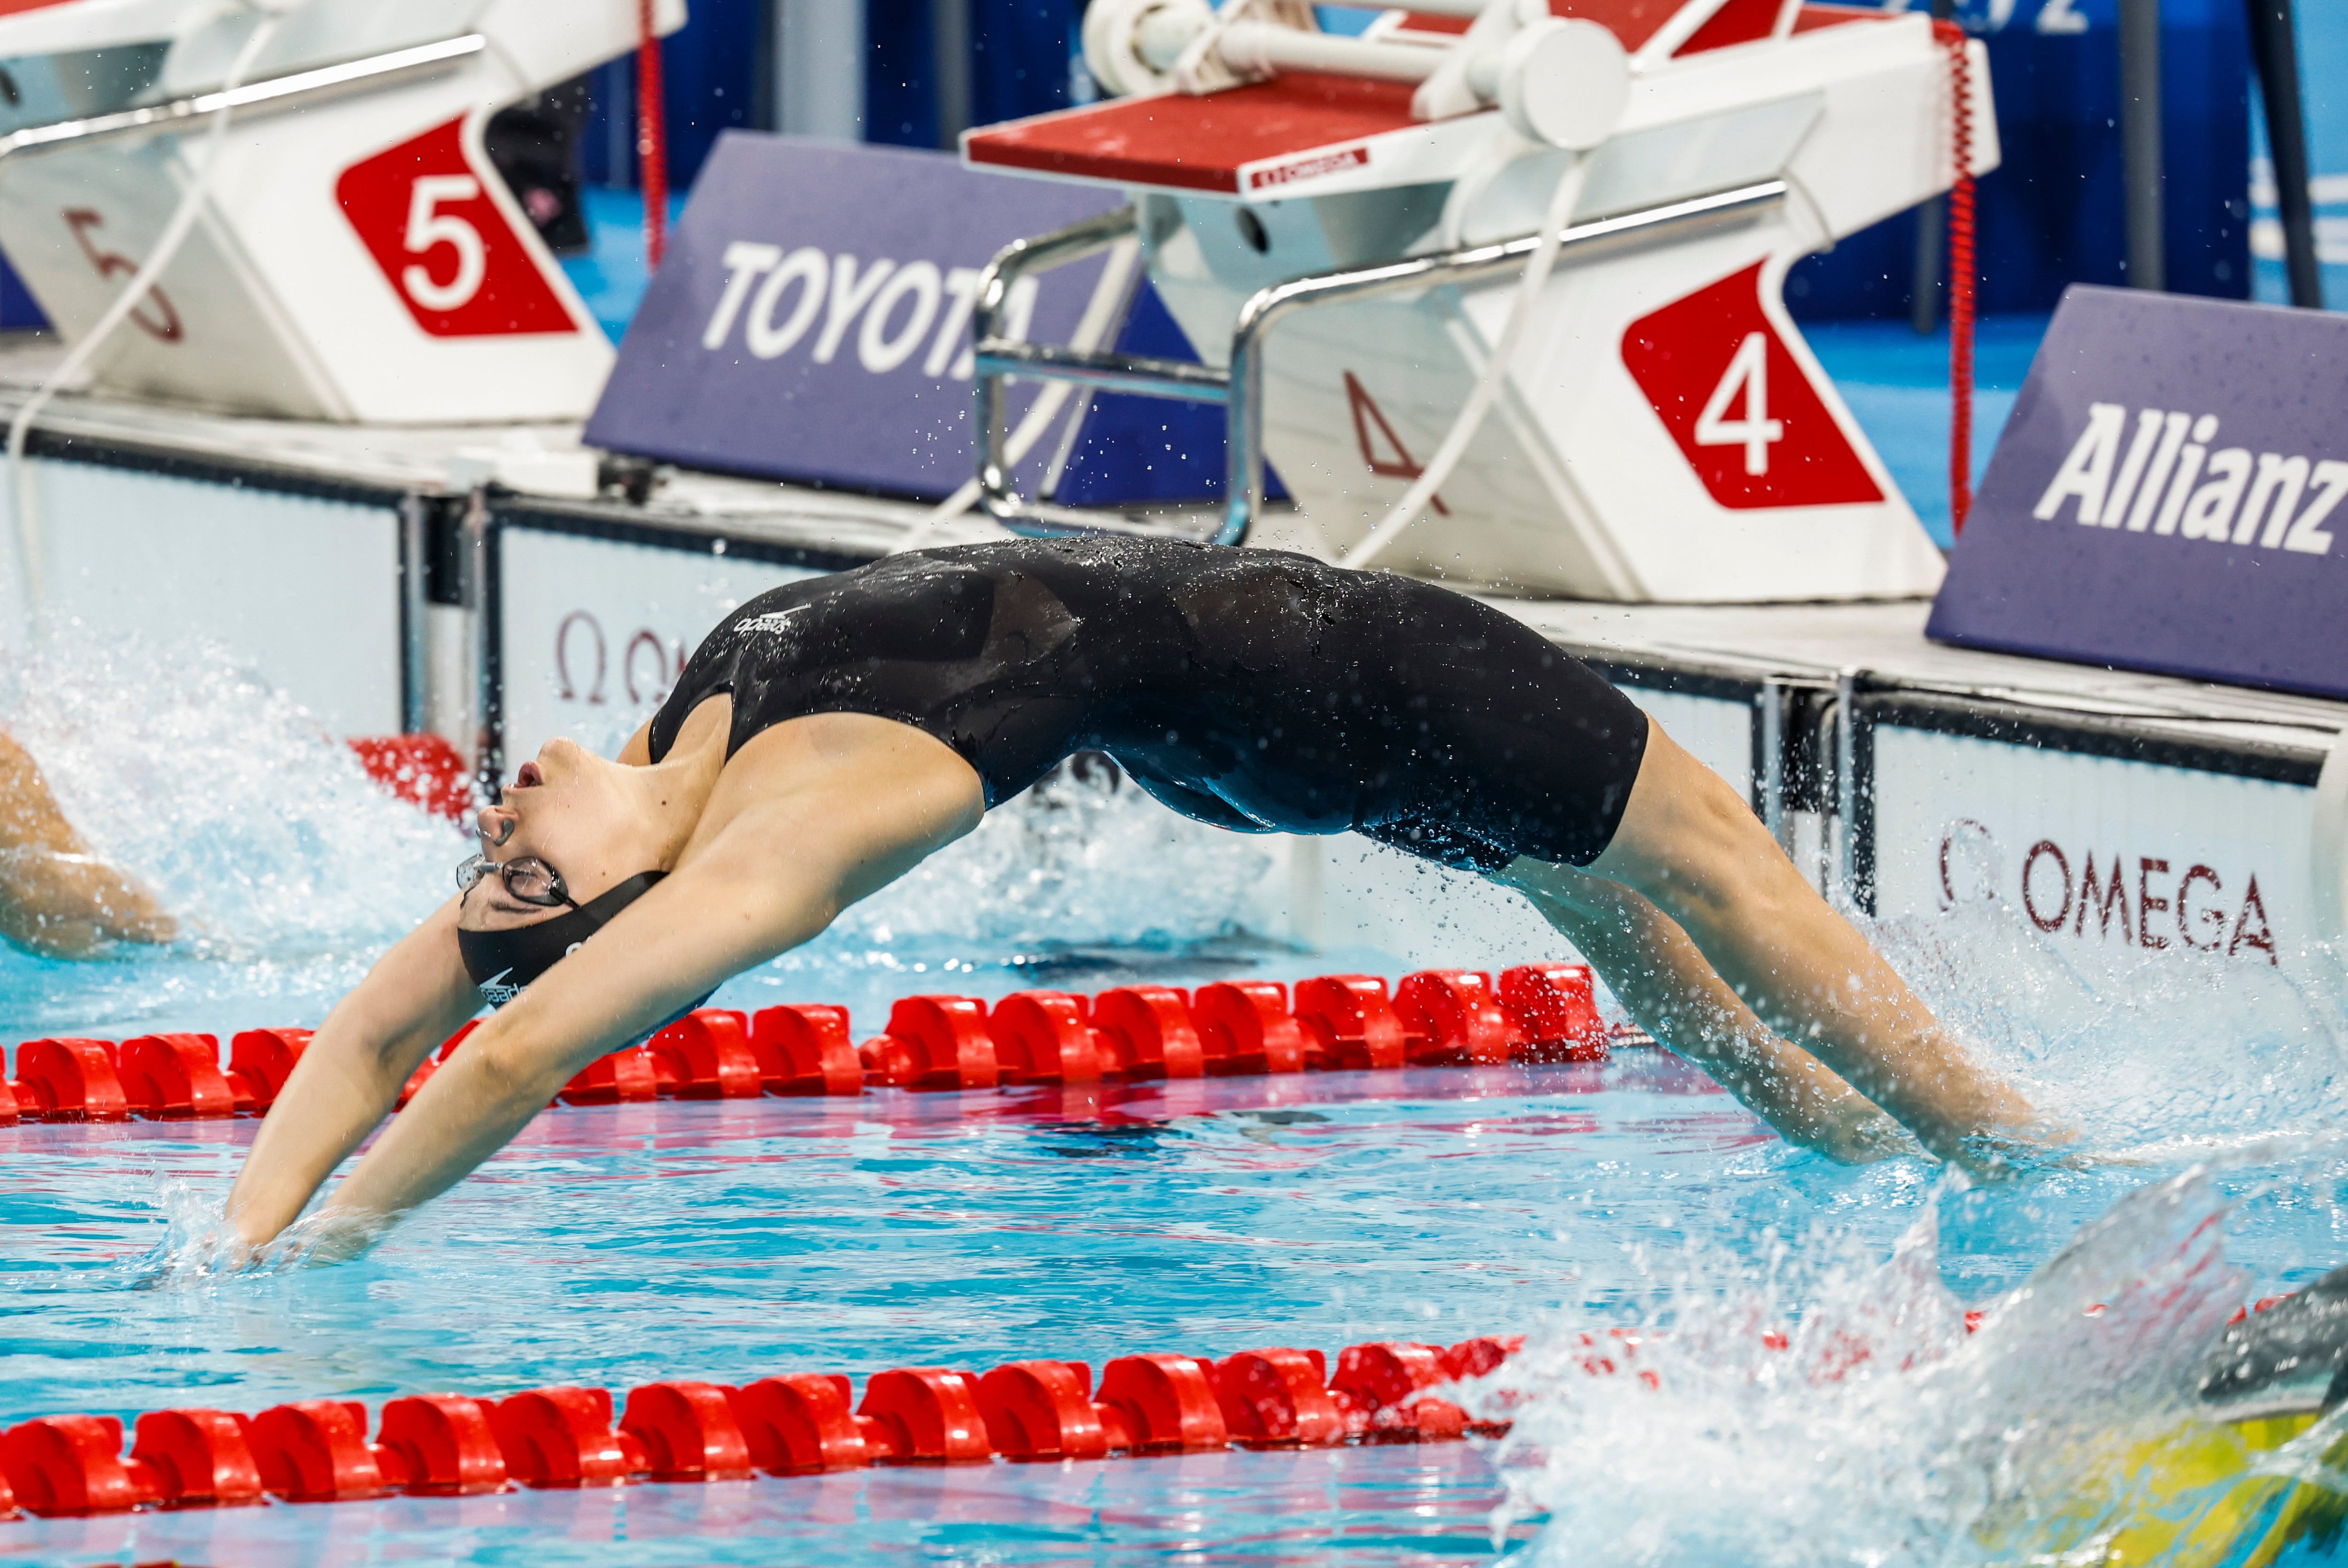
(528, 880)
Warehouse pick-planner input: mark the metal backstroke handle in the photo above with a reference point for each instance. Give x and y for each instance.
(1241, 391)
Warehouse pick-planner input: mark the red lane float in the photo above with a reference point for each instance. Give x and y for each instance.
(1456, 1017)
(1536, 1013)
(1348, 1023)
(72, 1081)
(260, 1061)
(425, 771)
(1145, 1032)
(688, 1431)
(706, 1055)
(923, 1415)
(623, 1076)
(935, 1043)
(559, 1438)
(1043, 1410)
(1245, 1030)
(800, 1425)
(62, 1466)
(316, 1451)
(1044, 1036)
(1169, 1403)
(174, 1077)
(199, 1458)
(440, 1445)
(803, 1049)
(1279, 1399)
(1555, 1011)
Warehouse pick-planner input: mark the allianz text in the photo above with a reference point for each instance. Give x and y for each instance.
(2165, 478)
(781, 300)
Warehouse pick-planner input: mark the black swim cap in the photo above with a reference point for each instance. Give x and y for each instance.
(503, 963)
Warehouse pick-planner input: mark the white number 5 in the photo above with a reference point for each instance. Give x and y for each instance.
(429, 227)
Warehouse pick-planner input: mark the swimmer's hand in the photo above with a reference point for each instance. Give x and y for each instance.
(1855, 1132)
(329, 1236)
(2008, 1154)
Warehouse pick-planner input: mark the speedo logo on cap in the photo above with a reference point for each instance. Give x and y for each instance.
(495, 992)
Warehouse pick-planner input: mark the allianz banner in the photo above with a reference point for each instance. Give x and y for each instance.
(2166, 497)
(812, 319)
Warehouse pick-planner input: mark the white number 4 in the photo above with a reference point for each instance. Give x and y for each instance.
(427, 226)
(1749, 372)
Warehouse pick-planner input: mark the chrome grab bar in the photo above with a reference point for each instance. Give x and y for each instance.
(295, 90)
(1240, 390)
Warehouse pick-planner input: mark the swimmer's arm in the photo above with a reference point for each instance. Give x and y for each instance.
(813, 815)
(56, 898)
(1656, 973)
(351, 1074)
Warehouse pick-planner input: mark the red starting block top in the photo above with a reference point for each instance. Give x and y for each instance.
(1303, 126)
(1198, 143)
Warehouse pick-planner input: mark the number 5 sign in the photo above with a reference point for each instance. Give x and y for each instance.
(443, 243)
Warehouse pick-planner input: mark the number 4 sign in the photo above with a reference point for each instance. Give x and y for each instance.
(445, 246)
(1713, 355)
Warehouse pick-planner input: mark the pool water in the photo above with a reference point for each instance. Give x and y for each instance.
(733, 1240)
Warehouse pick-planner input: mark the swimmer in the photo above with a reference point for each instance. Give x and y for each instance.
(57, 898)
(831, 733)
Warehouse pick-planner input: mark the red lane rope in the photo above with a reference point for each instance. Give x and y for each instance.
(446, 1444)
(652, 142)
(1961, 265)
(1533, 1013)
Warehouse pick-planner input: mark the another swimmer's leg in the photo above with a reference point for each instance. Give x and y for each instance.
(56, 898)
(1692, 845)
(1656, 973)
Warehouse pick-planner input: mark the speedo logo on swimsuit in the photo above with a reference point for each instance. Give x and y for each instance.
(910, 313)
(495, 993)
(2170, 476)
(773, 619)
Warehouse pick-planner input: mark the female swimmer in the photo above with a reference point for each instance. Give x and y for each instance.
(831, 733)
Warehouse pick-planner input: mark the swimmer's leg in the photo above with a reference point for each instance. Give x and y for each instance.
(56, 898)
(1692, 847)
(1656, 972)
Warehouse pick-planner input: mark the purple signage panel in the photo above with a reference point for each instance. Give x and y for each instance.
(812, 319)
(2166, 497)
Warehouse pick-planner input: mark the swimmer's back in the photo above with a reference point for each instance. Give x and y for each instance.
(1254, 689)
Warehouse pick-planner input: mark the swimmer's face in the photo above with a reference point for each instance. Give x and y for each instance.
(570, 808)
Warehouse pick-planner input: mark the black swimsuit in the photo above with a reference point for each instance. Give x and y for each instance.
(1249, 688)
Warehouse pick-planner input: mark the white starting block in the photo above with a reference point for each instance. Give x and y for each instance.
(1663, 432)
(356, 258)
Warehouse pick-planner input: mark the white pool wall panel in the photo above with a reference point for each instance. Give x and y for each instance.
(303, 590)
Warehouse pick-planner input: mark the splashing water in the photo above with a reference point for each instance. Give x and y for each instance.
(1799, 1406)
(2145, 1057)
(288, 868)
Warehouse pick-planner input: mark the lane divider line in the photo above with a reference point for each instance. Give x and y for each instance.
(685, 1432)
(1543, 1012)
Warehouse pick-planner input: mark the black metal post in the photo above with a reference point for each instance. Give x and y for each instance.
(2140, 154)
(950, 63)
(2274, 47)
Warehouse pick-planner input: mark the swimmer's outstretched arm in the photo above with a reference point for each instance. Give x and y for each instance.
(1691, 846)
(56, 897)
(808, 817)
(346, 1082)
(1657, 973)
